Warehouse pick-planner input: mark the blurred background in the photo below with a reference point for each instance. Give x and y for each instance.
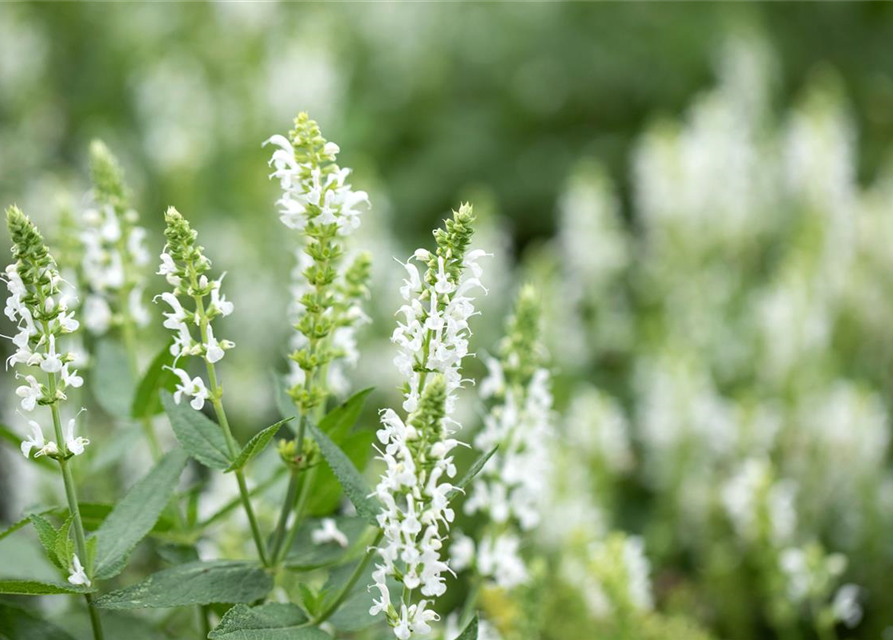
(702, 193)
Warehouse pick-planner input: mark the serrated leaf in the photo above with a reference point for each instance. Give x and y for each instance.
(135, 515)
(201, 437)
(146, 399)
(355, 487)
(326, 490)
(46, 533)
(305, 554)
(257, 444)
(21, 624)
(63, 547)
(37, 588)
(219, 581)
(112, 384)
(272, 621)
(339, 420)
(471, 630)
(471, 473)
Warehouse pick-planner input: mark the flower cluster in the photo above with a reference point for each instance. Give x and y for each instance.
(511, 485)
(326, 295)
(113, 250)
(621, 571)
(414, 489)
(40, 311)
(760, 507)
(185, 267)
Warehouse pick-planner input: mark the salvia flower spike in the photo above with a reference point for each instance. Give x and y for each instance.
(432, 339)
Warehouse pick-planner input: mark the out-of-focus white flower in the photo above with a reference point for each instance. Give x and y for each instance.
(114, 250)
(846, 607)
(758, 505)
(329, 532)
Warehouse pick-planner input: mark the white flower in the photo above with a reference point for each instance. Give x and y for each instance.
(192, 387)
(219, 301)
(846, 605)
(384, 603)
(71, 378)
(461, 552)
(97, 314)
(499, 559)
(29, 393)
(169, 270)
(329, 532)
(78, 575)
(75, 445)
(214, 350)
(52, 363)
(36, 441)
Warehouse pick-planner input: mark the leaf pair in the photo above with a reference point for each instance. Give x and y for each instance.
(203, 439)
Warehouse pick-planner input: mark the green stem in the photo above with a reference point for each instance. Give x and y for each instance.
(326, 613)
(216, 395)
(299, 509)
(73, 508)
(240, 477)
(291, 495)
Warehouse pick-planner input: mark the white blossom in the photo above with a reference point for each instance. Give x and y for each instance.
(329, 532)
(78, 575)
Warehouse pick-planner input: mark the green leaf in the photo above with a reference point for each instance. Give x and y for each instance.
(112, 384)
(14, 441)
(471, 630)
(339, 420)
(471, 473)
(202, 438)
(146, 400)
(135, 515)
(37, 588)
(227, 581)
(272, 621)
(355, 487)
(116, 625)
(47, 533)
(63, 547)
(306, 554)
(257, 444)
(326, 490)
(21, 624)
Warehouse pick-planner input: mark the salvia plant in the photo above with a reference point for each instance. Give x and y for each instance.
(313, 564)
(648, 445)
